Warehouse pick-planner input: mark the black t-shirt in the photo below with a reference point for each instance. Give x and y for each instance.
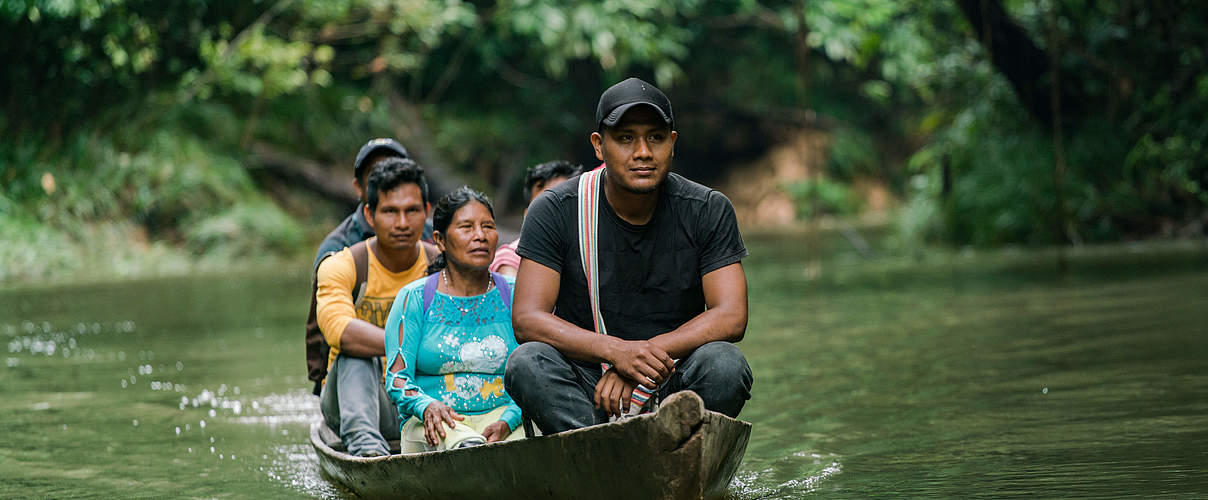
(650, 275)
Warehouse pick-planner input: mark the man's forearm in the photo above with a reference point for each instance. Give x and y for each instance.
(572, 341)
(713, 325)
(362, 339)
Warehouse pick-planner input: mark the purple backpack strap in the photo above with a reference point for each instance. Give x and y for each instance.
(430, 285)
(505, 291)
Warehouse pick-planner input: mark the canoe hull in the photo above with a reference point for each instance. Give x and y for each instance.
(682, 451)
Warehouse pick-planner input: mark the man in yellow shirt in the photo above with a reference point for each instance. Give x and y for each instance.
(353, 399)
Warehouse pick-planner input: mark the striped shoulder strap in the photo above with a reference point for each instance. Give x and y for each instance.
(589, 209)
(589, 196)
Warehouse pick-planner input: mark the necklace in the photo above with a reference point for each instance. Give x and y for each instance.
(490, 284)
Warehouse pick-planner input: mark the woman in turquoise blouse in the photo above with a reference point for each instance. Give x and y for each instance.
(448, 337)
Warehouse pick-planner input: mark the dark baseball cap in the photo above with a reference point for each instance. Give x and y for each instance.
(615, 101)
(385, 145)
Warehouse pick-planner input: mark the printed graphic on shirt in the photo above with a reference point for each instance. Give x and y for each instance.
(492, 388)
(374, 309)
(485, 356)
(469, 386)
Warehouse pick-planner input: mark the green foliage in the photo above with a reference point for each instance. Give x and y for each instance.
(1176, 161)
(80, 58)
(852, 153)
(31, 249)
(822, 196)
(95, 199)
(851, 32)
(144, 112)
(920, 220)
(167, 179)
(326, 124)
(1135, 160)
(619, 34)
(244, 230)
(1169, 161)
(258, 63)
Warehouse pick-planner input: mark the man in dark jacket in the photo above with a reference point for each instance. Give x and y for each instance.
(355, 228)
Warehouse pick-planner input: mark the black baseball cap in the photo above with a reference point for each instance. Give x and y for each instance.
(615, 101)
(382, 144)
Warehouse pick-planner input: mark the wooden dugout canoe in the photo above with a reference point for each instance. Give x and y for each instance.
(681, 451)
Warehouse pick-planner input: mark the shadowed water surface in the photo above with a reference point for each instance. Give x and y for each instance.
(941, 374)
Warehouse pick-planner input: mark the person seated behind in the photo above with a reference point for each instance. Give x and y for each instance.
(356, 227)
(353, 229)
(669, 273)
(352, 399)
(449, 335)
(539, 178)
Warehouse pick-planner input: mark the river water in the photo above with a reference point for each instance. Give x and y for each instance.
(939, 373)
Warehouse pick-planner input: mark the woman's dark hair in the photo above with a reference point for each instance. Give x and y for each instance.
(442, 216)
(543, 172)
(391, 173)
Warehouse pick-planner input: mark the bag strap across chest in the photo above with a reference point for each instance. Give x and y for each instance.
(589, 249)
(588, 213)
(360, 259)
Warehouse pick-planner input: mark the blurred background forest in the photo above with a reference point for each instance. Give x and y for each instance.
(140, 136)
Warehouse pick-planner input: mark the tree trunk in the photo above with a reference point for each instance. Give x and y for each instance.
(1016, 57)
(305, 173)
(414, 134)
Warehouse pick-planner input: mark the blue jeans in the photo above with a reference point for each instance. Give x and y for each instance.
(556, 393)
(355, 405)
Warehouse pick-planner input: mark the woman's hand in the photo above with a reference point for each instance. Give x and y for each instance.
(438, 413)
(497, 431)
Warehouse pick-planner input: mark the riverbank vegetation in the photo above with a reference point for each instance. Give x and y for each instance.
(140, 137)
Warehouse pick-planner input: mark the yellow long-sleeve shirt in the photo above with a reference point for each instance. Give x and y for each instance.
(337, 275)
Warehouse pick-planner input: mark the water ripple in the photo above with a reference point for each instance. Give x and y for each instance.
(769, 481)
(297, 467)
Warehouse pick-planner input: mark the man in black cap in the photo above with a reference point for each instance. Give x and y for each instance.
(355, 228)
(663, 280)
